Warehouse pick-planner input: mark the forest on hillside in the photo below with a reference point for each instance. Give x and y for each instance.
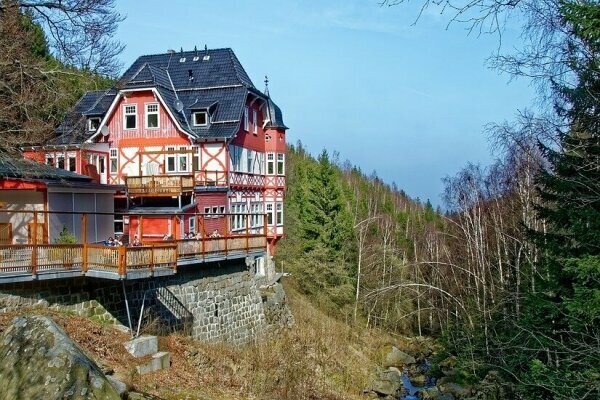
(509, 276)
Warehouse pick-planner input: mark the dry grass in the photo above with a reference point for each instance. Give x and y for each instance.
(319, 358)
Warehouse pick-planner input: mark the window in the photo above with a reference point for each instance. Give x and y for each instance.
(183, 160)
(254, 122)
(171, 159)
(192, 225)
(206, 212)
(246, 119)
(270, 163)
(93, 124)
(101, 165)
(222, 211)
(152, 115)
(50, 160)
(280, 164)
(256, 219)
(279, 214)
(72, 163)
(238, 220)
(130, 116)
(200, 118)
(114, 161)
(60, 161)
(269, 213)
(250, 159)
(118, 224)
(196, 158)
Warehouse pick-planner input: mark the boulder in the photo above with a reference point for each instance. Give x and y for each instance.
(385, 382)
(398, 358)
(434, 393)
(456, 390)
(39, 361)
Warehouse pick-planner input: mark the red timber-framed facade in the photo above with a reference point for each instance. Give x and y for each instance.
(191, 144)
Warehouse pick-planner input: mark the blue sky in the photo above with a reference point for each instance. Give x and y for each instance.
(407, 101)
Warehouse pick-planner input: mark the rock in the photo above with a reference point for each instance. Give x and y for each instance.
(455, 390)
(398, 358)
(142, 346)
(120, 387)
(39, 361)
(449, 362)
(139, 396)
(418, 380)
(385, 382)
(433, 393)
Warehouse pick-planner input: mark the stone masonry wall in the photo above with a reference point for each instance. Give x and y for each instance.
(221, 303)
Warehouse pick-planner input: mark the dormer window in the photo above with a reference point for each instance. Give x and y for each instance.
(130, 116)
(93, 124)
(200, 118)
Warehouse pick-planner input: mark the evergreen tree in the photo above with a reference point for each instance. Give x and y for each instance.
(324, 216)
(563, 317)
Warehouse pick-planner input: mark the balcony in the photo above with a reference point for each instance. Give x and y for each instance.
(159, 185)
(247, 180)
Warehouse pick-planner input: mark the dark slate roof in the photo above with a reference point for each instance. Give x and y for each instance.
(73, 129)
(212, 79)
(31, 170)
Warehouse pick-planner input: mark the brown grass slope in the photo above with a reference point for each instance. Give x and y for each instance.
(319, 358)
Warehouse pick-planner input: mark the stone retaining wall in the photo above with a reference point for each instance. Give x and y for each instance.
(218, 303)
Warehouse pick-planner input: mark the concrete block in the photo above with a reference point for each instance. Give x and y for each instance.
(159, 361)
(142, 346)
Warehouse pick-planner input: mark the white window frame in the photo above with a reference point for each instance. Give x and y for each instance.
(50, 159)
(192, 225)
(59, 158)
(207, 212)
(118, 219)
(149, 113)
(114, 156)
(68, 163)
(269, 212)
(129, 113)
(172, 156)
(90, 126)
(198, 113)
(271, 164)
(280, 162)
(246, 124)
(254, 122)
(279, 214)
(182, 156)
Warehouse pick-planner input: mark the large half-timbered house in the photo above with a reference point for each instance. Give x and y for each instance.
(192, 144)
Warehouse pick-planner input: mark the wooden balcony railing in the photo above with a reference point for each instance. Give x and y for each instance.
(159, 185)
(36, 259)
(53, 261)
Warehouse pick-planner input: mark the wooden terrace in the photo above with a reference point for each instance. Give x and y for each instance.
(42, 261)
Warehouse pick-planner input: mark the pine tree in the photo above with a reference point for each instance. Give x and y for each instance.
(325, 219)
(563, 317)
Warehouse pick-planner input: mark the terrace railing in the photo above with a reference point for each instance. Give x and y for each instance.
(52, 260)
(159, 185)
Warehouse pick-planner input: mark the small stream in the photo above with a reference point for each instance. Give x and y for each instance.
(410, 389)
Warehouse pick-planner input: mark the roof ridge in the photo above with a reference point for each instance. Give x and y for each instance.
(184, 52)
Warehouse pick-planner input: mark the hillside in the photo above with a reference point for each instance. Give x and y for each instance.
(320, 358)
